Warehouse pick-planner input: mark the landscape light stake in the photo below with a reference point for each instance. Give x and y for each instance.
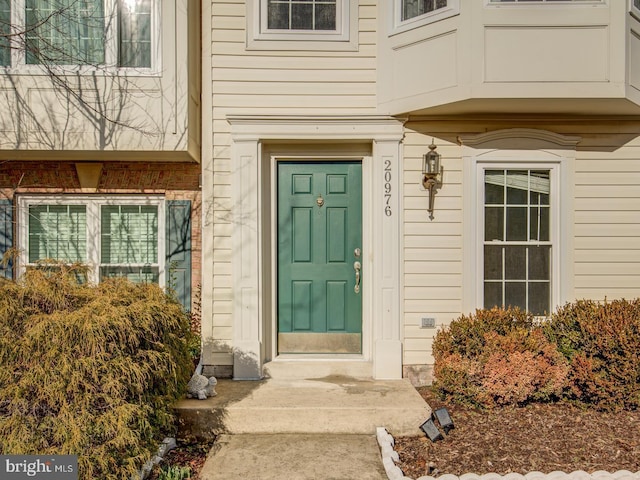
(444, 419)
(431, 430)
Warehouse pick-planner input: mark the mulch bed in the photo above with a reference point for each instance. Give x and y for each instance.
(192, 455)
(538, 437)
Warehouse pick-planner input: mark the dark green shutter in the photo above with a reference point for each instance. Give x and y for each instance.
(6, 235)
(178, 248)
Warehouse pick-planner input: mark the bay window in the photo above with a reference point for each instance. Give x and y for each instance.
(64, 32)
(118, 33)
(409, 14)
(135, 19)
(415, 8)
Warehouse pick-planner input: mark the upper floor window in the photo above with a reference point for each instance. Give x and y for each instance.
(409, 14)
(60, 32)
(301, 14)
(5, 29)
(415, 8)
(135, 20)
(635, 8)
(302, 25)
(78, 32)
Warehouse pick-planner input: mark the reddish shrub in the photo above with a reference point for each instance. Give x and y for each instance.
(497, 357)
(522, 366)
(601, 341)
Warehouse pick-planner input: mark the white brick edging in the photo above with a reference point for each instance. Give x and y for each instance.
(390, 457)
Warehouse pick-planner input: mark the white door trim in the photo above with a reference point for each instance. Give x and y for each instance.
(252, 302)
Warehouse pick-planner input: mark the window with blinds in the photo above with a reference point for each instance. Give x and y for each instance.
(57, 232)
(115, 236)
(129, 242)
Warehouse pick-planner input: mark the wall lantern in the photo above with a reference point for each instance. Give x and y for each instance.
(431, 174)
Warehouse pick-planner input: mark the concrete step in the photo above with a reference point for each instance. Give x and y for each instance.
(329, 405)
(291, 368)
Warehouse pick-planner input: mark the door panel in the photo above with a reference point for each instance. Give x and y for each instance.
(319, 229)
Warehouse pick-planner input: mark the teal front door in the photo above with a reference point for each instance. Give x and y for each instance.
(319, 257)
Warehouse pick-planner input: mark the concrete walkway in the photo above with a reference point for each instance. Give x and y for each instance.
(302, 428)
(294, 457)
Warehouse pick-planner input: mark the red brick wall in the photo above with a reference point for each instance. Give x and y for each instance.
(177, 181)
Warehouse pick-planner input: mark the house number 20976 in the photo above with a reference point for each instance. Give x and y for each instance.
(387, 188)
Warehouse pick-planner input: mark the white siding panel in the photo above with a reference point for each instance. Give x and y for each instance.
(433, 242)
(417, 267)
(627, 269)
(418, 357)
(431, 254)
(431, 306)
(608, 256)
(432, 293)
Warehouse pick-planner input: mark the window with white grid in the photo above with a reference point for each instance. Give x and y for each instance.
(309, 15)
(114, 236)
(517, 243)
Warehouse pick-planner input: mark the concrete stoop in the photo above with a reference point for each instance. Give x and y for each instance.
(333, 404)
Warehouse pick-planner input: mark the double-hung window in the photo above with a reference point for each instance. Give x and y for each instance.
(517, 244)
(97, 33)
(114, 236)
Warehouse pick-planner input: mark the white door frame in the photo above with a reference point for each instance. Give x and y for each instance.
(252, 318)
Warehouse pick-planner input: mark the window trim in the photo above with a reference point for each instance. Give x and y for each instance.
(343, 38)
(93, 204)
(525, 146)
(18, 55)
(399, 26)
(554, 215)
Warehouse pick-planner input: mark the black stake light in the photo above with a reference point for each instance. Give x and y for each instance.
(431, 430)
(444, 419)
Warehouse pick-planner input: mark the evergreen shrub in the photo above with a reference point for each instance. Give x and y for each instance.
(601, 341)
(497, 357)
(89, 370)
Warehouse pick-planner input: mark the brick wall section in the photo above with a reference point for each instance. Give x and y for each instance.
(176, 181)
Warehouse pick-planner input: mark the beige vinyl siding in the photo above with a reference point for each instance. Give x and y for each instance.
(250, 82)
(432, 248)
(607, 223)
